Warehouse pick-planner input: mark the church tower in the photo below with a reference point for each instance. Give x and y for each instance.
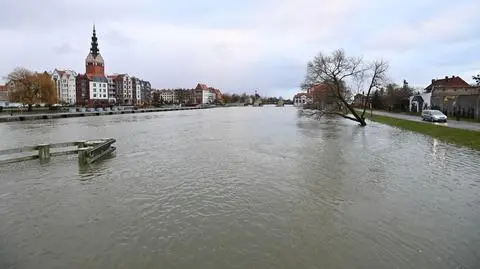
(94, 63)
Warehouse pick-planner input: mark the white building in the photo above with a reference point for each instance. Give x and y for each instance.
(420, 101)
(66, 85)
(301, 99)
(208, 97)
(137, 91)
(98, 88)
(204, 95)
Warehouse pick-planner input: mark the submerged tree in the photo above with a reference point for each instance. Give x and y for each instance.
(341, 73)
(31, 88)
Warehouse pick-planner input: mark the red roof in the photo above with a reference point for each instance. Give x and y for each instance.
(452, 82)
(201, 87)
(318, 89)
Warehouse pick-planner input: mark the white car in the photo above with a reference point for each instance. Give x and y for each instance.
(433, 115)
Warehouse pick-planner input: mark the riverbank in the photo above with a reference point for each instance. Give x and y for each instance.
(459, 137)
(419, 114)
(44, 116)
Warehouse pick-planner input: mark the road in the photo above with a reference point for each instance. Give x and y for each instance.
(474, 126)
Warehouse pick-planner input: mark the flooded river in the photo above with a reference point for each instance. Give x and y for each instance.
(248, 187)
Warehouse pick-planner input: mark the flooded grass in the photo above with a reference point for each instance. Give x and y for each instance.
(460, 137)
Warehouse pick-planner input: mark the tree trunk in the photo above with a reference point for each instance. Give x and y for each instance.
(360, 120)
(30, 107)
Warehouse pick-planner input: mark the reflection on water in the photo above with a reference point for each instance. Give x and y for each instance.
(242, 188)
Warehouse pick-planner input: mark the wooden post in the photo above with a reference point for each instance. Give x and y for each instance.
(82, 156)
(44, 151)
(81, 144)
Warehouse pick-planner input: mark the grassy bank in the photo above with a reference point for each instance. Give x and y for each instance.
(460, 137)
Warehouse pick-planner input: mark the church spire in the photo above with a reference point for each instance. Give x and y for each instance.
(94, 48)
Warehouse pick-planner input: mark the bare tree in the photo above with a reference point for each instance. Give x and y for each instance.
(339, 72)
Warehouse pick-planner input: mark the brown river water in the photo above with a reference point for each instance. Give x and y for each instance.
(247, 187)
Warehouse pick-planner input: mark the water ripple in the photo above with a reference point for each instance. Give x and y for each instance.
(240, 188)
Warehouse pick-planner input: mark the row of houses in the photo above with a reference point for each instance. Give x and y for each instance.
(452, 95)
(201, 94)
(96, 89)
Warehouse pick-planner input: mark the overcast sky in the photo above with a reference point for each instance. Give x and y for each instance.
(240, 46)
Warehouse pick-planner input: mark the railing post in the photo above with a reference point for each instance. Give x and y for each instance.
(81, 144)
(44, 151)
(82, 156)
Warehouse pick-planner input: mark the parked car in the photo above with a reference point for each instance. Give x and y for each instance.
(433, 115)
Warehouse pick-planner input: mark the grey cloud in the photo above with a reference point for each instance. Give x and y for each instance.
(64, 48)
(116, 38)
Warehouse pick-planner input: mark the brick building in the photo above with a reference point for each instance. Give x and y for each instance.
(92, 87)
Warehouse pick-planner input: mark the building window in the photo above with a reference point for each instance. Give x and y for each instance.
(94, 95)
(94, 84)
(94, 90)
(104, 95)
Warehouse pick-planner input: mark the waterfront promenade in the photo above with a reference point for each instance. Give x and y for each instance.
(40, 116)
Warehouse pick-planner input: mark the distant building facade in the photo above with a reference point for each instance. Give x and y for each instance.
(65, 83)
(146, 92)
(322, 96)
(124, 89)
(217, 94)
(453, 96)
(204, 94)
(113, 81)
(167, 96)
(185, 96)
(137, 91)
(92, 87)
(4, 99)
(301, 99)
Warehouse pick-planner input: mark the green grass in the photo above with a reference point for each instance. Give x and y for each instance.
(460, 137)
(419, 114)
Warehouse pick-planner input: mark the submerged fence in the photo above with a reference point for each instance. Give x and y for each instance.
(88, 151)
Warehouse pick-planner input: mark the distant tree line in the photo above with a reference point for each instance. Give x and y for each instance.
(238, 98)
(392, 97)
